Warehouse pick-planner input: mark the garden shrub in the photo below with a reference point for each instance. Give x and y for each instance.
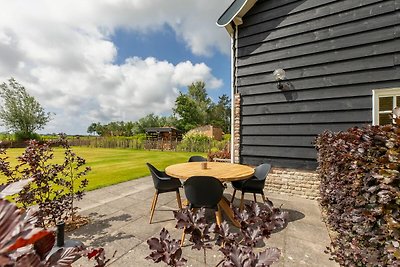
(24, 244)
(55, 185)
(222, 154)
(360, 192)
(195, 142)
(257, 222)
(20, 136)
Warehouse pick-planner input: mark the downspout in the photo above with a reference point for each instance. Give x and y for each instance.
(233, 89)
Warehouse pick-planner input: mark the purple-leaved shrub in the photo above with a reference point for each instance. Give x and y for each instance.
(360, 191)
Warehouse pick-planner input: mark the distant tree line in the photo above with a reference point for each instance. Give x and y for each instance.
(192, 109)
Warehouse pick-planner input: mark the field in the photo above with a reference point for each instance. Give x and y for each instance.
(112, 166)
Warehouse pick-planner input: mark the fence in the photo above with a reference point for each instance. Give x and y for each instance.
(107, 142)
(137, 143)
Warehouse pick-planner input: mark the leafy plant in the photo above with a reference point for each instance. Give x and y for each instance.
(196, 225)
(54, 186)
(257, 221)
(166, 249)
(195, 142)
(23, 244)
(360, 191)
(72, 172)
(222, 154)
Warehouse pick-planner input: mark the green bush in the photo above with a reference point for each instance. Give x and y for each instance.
(20, 136)
(226, 137)
(195, 142)
(360, 191)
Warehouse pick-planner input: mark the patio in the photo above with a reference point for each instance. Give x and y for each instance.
(119, 221)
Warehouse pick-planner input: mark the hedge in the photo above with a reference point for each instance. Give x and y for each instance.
(360, 192)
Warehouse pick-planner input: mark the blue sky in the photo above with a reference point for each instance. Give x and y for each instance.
(101, 61)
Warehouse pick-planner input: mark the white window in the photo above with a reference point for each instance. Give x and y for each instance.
(384, 101)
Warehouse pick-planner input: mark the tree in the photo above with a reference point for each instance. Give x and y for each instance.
(220, 113)
(93, 128)
(193, 108)
(21, 112)
(152, 120)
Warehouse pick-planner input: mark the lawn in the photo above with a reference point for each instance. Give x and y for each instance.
(112, 166)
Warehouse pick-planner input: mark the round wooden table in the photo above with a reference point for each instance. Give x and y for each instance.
(225, 172)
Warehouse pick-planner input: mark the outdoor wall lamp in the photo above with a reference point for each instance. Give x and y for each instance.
(279, 75)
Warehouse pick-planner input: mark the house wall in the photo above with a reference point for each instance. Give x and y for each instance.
(334, 54)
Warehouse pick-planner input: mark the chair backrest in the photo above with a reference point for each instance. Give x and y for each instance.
(155, 174)
(203, 191)
(197, 159)
(262, 171)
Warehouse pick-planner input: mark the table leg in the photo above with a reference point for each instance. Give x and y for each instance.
(224, 204)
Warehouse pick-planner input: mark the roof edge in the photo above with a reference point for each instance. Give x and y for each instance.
(235, 12)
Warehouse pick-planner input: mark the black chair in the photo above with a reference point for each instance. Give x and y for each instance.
(163, 184)
(204, 192)
(197, 159)
(254, 184)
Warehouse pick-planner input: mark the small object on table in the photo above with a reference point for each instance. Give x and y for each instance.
(204, 165)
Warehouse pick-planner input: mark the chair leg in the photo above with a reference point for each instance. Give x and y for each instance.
(241, 202)
(153, 205)
(178, 198)
(266, 200)
(263, 196)
(218, 216)
(255, 199)
(183, 236)
(233, 196)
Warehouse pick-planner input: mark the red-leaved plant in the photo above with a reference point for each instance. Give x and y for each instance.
(54, 186)
(24, 244)
(166, 250)
(360, 192)
(257, 221)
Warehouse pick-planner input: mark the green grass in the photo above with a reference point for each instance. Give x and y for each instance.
(112, 166)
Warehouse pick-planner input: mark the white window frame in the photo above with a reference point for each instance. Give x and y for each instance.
(375, 101)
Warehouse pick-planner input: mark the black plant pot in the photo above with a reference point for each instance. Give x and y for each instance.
(61, 242)
(60, 233)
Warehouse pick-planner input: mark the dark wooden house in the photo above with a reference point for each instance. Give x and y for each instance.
(341, 60)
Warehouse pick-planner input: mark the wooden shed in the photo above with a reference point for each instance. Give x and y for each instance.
(162, 138)
(341, 60)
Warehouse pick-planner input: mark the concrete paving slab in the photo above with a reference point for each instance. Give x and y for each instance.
(305, 253)
(135, 257)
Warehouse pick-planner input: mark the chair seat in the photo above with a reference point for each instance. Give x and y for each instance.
(169, 185)
(252, 185)
(238, 184)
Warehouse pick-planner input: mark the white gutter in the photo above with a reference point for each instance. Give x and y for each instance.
(232, 96)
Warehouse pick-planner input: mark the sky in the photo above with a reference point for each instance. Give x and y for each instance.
(112, 60)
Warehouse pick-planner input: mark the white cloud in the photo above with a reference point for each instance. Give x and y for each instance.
(62, 52)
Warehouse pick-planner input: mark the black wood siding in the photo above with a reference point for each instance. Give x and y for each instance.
(334, 54)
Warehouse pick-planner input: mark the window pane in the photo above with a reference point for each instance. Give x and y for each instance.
(384, 119)
(385, 103)
(398, 101)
